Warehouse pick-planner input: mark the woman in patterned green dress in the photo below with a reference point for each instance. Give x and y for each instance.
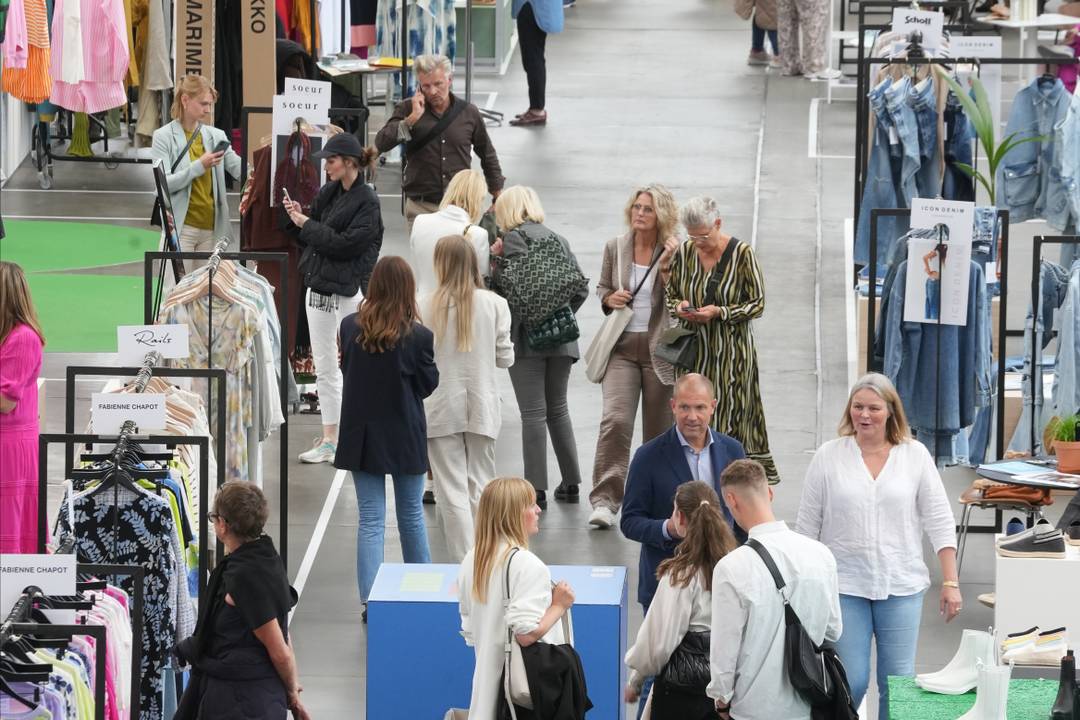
(726, 353)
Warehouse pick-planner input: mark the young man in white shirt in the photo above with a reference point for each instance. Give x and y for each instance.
(749, 678)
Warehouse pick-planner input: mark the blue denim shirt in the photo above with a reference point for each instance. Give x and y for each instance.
(1066, 381)
(1040, 179)
(911, 360)
(549, 13)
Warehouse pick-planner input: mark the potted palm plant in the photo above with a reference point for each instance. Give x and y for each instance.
(977, 109)
(1067, 443)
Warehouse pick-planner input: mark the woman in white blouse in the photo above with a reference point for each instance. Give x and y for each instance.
(869, 496)
(507, 516)
(462, 206)
(464, 414)
(679, 619)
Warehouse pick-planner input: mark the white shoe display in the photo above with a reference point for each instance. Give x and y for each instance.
(1047, 648)
(960, 675)
(993, 693)
(602, 517)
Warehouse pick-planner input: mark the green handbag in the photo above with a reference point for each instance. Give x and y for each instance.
(558, 329)
(539, 283)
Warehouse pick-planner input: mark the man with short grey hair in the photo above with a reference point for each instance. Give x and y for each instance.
(438, 132)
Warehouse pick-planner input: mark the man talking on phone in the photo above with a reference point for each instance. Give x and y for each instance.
(439, 132)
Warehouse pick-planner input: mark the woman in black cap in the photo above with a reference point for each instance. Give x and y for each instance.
(340, 243)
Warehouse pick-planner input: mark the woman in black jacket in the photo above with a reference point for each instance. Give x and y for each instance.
(388, 359)
(341, 241)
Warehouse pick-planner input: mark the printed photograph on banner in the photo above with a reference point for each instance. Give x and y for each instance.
(939, 267)
(295, 138)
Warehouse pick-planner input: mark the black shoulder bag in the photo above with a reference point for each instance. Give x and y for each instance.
(815, 671)
(155, 213)
(417, 144)
(678, 345)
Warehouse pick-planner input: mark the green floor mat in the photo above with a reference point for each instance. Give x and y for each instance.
(79, 313)
(38, 245)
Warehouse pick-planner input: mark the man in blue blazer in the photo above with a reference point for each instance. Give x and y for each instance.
(690, 450)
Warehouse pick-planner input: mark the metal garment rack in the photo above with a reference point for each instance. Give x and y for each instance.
(1036, 379)
(201, 442)
(138, 579)
(283, 387)
(1003, 280)
(41, 145)
(862, 121)
(884, 8)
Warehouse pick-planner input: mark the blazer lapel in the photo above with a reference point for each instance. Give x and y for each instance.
(675, 456)
(626, 244)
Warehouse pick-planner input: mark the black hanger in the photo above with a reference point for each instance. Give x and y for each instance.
(7, 690)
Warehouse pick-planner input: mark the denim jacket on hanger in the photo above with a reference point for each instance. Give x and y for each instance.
(1042, 179)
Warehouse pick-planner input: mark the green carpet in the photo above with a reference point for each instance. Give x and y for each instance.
(1028, 700)
(79, 312)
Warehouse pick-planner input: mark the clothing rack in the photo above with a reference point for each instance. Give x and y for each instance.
(149, 317)
(44, 158)
(1003, 279)
(18, 623)
(862, 121)
(201, 442)
(137, 574)
(951, 8)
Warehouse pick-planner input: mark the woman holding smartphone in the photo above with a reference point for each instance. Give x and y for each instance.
(196, 157)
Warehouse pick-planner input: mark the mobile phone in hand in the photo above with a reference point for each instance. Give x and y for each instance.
(689, 309)
(222, 146)
(285, 192)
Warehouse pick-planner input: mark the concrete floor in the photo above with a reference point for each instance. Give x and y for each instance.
(637, 92)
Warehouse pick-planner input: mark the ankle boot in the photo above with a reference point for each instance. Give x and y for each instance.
(993, 693)
(1064, 705)
(960, 674)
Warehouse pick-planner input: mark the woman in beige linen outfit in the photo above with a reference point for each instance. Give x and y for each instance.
(632, 371)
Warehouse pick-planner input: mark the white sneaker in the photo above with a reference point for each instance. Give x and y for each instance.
(322, 451)
(602, 517)
(826, 74)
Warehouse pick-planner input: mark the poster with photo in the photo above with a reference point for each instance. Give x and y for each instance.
(307, 103)
(939, 268)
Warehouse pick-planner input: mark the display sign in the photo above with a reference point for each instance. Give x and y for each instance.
(133, 342)
(306, 102)
(109, 411)
(193, 40)
(930, 24)
(54, 574)
(980, 47)
(317, 91)
(938, 269)
(259, 53)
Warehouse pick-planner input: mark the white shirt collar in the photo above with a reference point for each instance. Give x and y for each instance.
(686, 444)
(768, 528)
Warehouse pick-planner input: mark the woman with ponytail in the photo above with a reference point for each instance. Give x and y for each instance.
(673, 642)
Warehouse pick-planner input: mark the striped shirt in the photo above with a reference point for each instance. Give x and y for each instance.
(103, 61)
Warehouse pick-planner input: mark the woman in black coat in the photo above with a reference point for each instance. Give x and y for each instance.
(388, 359)
(341, 240)
(243, 667)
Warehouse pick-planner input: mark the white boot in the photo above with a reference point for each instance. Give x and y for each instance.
(960, 674)
(993, 693)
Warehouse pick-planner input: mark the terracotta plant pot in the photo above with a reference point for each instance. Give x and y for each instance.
(1068, 456)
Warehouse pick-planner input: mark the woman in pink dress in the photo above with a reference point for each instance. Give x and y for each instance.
(21, 342)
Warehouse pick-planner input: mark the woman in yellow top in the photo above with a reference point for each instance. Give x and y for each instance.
(196, 157)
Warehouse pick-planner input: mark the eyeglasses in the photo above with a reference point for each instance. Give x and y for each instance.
(700, 237)
(213, 517)
(644, 209)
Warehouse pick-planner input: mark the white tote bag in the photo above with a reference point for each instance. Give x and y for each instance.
(603, 343)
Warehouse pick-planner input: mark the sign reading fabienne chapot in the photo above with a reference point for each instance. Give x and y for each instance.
(194, 38)
(109, 411)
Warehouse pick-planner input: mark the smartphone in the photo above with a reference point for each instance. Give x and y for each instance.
(689, 309)
(285, 192)
(222, 146)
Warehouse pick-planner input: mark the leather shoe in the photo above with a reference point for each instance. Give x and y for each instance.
(541, 499)
(532, 117)
(567, 494)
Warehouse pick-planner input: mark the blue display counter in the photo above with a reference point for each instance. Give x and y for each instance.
(419, 665)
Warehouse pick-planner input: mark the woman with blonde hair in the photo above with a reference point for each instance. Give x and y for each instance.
(505, 519)
(463, 204)
(870, 495)
(539, 377)
(388, 361)
(630, 278)
(21, 343)
(464, 414)
(679, 620)
(196, 157)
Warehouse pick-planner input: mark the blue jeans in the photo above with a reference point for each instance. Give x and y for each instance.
(370, 535)
(757, 38)
(907, 130)
(882, 184)
(932, 305)
(959, 134)
(924, 106)
(894, 625)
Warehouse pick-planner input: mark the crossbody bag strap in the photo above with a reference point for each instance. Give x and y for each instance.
(417, 144)
(790, 615)
(176, 162)
(718, 272)
(656, 256)
(509, 639)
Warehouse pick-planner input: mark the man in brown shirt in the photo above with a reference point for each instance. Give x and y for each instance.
(431, 161)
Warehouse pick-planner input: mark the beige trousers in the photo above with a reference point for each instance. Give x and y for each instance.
(629, 376)
(417, 207)
(462, 465)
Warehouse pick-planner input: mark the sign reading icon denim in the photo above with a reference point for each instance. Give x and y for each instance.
(897, 257)
(956, 184)
(1039, 179)
(940, 390)
(923, 100)
(882, 181)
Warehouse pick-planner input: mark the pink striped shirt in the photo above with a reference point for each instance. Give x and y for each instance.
(104, 57)
(16, 40)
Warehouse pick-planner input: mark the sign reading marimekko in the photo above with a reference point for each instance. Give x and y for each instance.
(939, 267)
(53, 574)
(193, 36)
(930, 24)
(109, 411)
(133, 342)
